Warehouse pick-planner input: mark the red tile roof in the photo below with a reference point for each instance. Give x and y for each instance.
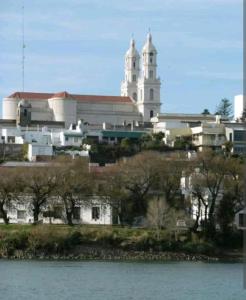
(82, 98)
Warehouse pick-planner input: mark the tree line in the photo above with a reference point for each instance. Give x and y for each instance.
(149, 186)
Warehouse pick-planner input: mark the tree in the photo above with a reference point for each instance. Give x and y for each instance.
(39, 183)
(205, 112)
(217, 182)
(224, 108)
(207, 183)
(169, 173)
(111, 191)
(9, 189)
(138, 176)
(73, 186)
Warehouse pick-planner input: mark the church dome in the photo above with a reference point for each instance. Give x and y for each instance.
(132, 51)
(149, 47)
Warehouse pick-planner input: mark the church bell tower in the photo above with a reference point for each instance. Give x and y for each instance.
(149, 84)
(129, 84)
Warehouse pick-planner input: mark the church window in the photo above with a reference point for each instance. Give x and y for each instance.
(151, 57)
(134, 77)
(134, 96)
(134, 65)
(25, 112)
(151, 74)
(151, 114)
(151, 94)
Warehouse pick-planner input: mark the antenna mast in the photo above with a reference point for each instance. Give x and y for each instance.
(23, 47)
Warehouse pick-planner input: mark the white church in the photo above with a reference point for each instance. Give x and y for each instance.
(139, 100)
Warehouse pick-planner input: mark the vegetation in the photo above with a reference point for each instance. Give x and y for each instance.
(62, 241)
(224, 108)
(145, 190)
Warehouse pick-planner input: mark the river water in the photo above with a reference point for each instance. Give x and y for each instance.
(92, 280)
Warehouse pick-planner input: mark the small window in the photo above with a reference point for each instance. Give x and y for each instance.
(151, 114)
(151, 74)
(95, 213)
(151, 94)
(134, 77)
(242, 220)
(66, 138)
(134, 96)
(25, 112)
(134, 65)
(21, 214)
(76, 139)
(57, 212)
(76, 213)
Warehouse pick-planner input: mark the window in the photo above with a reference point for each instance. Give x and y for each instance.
(57, 214)
(134, 78)
(134, 96)
(25, 112)
(242, 220)
(151, 74)
(21, 214)
(230, 137)
(239, 135)
(76, 213)
(76, 139)
(134, 65)
(151, 57)
(95, 213)
(151, 114)
(151, 94)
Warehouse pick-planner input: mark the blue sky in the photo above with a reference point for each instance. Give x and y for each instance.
(79, 46)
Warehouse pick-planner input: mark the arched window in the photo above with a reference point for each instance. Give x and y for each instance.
(151, 74)
(134, 65)
(151, 57)
(134, 77)
(151, 94)
(151, 114)
(135, 96)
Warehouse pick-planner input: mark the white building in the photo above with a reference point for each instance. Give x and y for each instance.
(139, 100)
(95, 213)
(239, 107)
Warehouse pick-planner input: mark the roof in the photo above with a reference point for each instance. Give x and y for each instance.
(122, 134)
(82, 98)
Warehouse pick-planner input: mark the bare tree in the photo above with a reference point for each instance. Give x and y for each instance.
(39, 185)
(74, 185)
(139, 175)
(9, 190)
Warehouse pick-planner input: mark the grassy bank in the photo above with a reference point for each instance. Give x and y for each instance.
(99, 242)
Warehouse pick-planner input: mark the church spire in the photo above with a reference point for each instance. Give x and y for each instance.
(132, 58)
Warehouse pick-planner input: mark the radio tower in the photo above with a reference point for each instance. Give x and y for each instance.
(23, 47)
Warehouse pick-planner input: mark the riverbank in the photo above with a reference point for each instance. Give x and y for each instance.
(105, 243)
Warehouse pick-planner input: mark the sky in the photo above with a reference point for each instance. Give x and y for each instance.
(79, 46)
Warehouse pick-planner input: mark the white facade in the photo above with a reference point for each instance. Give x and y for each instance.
(239, 106)
(95, 213)
(142, 85)
(139, 100)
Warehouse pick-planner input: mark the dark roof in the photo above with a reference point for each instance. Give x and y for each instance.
(82, 98)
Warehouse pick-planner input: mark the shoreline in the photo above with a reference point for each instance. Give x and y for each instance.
(104, 254)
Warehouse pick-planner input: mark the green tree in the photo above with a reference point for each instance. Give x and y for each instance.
(224, 108)
(205, 112)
